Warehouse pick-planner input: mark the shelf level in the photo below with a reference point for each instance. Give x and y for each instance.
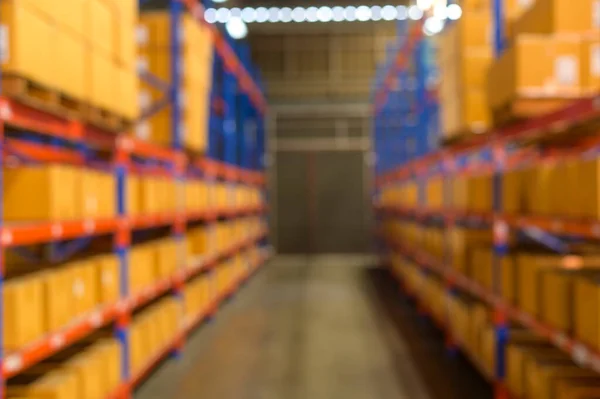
(581, 353)
(18, 361)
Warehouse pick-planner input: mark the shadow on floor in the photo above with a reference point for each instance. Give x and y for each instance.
(443, 375)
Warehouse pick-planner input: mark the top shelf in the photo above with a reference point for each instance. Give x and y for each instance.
(232, 62)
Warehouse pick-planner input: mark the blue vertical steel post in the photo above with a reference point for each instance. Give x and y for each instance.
(215, 119)
(122, 244)
(229, 117)
(176, 11)
(498, 23)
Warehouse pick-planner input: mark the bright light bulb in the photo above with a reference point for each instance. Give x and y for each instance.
(338, 14)
(219, 1)
(363, 13)
(454, 12)
(285, 14)
(298, 14)
(440, 12)
(325, 14)
(311, 14)
(248, 15)
(236, 12)
(389, 13)
(376, 13)
(433, 25)
(415, 13)
(236, 28)
(210, 15)
(424, 4)
(402, 12)
(274, 14)
(262, 14)
(350, 13)
(223, 15)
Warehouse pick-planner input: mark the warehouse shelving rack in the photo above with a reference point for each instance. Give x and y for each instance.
(497, 151)
(235, 155)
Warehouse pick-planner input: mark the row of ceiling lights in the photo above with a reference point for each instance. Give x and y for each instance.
(328, 14)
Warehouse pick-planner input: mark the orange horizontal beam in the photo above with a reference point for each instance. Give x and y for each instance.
(582, 354)
(17, 361)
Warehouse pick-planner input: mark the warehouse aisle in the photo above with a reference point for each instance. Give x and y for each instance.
(302, 329)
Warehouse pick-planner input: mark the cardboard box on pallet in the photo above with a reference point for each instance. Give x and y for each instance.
(101, 26)
(70, 66)
(560, 17)
(555, 78)
(29, 42)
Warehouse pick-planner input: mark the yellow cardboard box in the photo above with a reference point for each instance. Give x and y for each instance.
(559, 16)
(69, 59)
(133, 187)
(23, 311)
(590, 64)
(519, 356)
(58, 298)
(40, 193)
(587, 311)
(36, 383)
(577, 388)
(84, 286)
(542, 375)
(30, 46)
(101, 23)
(108, 278)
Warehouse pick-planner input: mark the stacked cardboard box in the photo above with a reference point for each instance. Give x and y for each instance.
(152, 330)
(57, 192)
(553, 57)
(85, 371)
(82, 48)
(196, 71)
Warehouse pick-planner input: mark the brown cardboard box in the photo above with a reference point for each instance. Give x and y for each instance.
(519, 356)
(530, 268)
(559, 16)
(577, 388)
(33, 193)
(558, 295)
(541, 374)
(587, 311)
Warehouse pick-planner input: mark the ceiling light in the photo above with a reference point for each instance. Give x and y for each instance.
(376, 13)
(274, 14)
(210, 15)
(248, 15)
(298, 14)
(311, 14)
(223, 15)
(325, 14)
(440, 11)
(415, 13)
(363, 13)
(285, 14)
(389, 13)
(338, 14)
(433, 26)
(219, 1)
(402, 12)
(350, 13)
(262, 14)
(454, 12)
(424, 4)
(236, 12)
(236, 28)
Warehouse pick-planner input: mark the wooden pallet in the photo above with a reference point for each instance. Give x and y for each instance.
(41, 97)
(107, 120)
(462, 136)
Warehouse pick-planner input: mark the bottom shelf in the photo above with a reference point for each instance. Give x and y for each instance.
(123, 391)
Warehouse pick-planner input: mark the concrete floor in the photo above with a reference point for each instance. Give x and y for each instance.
(318, 328)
